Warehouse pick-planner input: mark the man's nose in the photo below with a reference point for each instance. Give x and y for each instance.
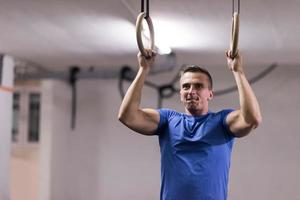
(192, 90)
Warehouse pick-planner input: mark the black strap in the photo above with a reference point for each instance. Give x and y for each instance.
(73, 78)
(143, 7)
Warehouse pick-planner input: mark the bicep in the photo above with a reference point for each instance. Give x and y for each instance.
(237, 125)
(145, 122)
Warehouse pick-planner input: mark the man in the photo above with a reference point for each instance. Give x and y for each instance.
(195, 145)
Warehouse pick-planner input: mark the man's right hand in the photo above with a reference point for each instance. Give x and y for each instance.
(146, 62)
(143, 121)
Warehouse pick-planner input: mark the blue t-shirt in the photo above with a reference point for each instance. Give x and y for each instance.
(195, 155)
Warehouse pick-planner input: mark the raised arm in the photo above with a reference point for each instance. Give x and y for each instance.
(143, 121)
(248, 117)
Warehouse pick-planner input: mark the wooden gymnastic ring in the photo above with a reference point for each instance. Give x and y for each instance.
(234, 35)
(139, 28)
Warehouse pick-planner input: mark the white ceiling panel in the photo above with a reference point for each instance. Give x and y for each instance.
(57, 34)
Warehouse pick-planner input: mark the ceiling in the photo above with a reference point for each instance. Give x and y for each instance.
(58, 33)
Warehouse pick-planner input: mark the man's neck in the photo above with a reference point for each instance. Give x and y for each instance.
(196, 112)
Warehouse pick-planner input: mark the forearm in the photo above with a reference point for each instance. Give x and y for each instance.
(250, 111)
(131, 103)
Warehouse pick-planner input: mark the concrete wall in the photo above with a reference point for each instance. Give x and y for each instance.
(102, 160)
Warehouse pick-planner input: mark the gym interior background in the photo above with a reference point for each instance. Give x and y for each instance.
(62, 82)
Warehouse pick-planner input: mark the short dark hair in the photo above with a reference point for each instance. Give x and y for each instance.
(196, 68)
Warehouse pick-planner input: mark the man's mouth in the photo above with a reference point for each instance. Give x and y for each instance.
(192, 99)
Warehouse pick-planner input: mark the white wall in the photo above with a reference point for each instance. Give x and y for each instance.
(266, 164)
(6, 125)
(24, 167)
(103, 160)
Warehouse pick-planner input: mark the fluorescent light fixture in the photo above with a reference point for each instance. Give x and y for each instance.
(164, 49)
(183, 33)
(161, 47)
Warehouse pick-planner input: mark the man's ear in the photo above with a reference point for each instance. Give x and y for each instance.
(211, 95)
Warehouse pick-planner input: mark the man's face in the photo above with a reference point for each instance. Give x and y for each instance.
(195, 92)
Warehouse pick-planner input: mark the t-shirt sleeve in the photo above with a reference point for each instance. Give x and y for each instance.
(163, 120)
(225, 125)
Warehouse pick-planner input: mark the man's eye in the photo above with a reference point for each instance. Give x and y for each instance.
(199, 86)
(185, 87)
